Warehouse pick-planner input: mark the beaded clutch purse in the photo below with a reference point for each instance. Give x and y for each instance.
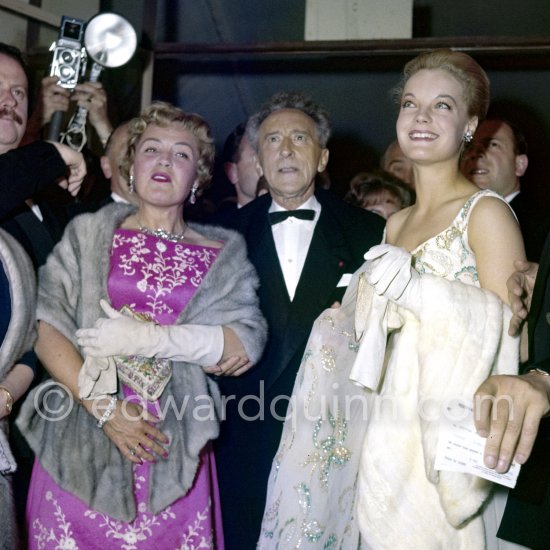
(147, 376)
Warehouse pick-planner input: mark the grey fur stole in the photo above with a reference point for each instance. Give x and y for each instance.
(21, 332)
(18, 340)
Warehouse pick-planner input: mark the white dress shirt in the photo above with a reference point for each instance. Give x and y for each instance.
(509, 198)
(292, 239)
(35, 209)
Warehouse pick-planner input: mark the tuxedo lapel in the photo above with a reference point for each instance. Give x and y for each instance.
(263, 254)
(326, 261)
(274, 299)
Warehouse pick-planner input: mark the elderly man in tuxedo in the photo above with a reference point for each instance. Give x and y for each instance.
(304, 243)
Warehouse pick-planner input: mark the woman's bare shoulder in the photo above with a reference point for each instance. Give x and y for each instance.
(395, 223)
(492, 212)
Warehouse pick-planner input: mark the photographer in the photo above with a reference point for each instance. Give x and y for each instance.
(73, 105)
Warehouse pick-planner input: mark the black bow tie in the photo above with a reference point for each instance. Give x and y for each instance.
(303, 214)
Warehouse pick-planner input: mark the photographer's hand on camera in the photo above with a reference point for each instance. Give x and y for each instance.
(52, 98)
(92, 97)
(55, 98)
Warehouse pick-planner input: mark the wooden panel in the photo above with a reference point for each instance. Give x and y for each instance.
(494, 52)
(32, 12)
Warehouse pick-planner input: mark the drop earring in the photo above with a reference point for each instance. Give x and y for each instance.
(131, 184)
(193, 196)
(468, 136)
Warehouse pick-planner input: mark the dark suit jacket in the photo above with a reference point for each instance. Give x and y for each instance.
(37, 237)
(78, 208)
(27, 170)
(526, 519)
(245, 449)
(534, 227)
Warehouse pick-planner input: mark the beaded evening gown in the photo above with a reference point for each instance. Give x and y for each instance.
(314, 483)
(157, 277)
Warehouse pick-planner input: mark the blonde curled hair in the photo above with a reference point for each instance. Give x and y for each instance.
(163, 114)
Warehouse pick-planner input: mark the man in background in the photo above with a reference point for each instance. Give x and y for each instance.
(497, 159)
(110, 161)
(240, 165)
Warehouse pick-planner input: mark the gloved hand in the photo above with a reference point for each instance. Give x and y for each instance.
(391, 274)
(123, 335)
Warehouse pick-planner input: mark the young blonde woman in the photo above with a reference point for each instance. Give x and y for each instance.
(422, 324)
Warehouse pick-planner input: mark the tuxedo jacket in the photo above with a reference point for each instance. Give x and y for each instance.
(342, 235)
(250, 433)
(78, 208)
(25, 171)
(37, 237)
(526, 519)
(534, 226)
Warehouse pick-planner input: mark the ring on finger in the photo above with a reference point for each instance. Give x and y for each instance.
(133, 450)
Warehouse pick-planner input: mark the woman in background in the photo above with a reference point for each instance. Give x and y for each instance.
(379, 192)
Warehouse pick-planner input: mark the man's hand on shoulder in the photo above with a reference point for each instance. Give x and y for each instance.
(520, 291)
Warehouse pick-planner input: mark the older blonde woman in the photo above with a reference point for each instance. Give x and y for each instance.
(130, 466)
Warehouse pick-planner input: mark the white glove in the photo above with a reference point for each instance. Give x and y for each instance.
(97, 377)
(391, 274)
(123, 335)
(371, 331)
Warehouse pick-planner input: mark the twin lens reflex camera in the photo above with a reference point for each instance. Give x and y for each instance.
(69, 55)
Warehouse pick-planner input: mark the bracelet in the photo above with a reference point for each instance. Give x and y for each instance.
(108, 412)
(9, 398)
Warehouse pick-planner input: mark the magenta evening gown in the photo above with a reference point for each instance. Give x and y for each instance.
(157, 277)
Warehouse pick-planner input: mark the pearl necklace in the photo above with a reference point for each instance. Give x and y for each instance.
(161, 233)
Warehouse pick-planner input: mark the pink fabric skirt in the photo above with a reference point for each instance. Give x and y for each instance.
(57, 519)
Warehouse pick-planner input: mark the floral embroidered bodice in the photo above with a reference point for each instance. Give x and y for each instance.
(448, 254)
(146, 272)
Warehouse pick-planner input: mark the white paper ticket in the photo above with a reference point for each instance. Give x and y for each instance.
(460, 448)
